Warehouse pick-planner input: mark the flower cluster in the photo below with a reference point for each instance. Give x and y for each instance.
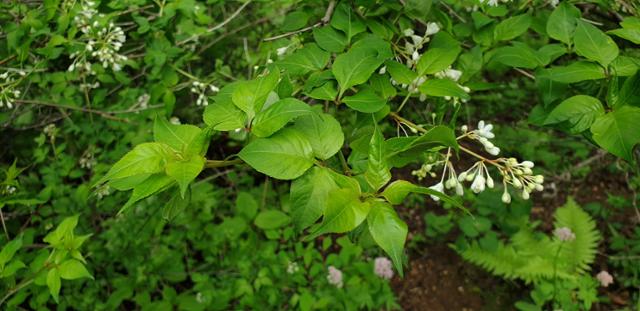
(292, 267)
(50, 130)
(201, 90)
(100, 43)
(8, 91)
(416, 42)
(493, 2)
(383, 268)
(564, 234)
(517, 174)
(335, 277)
(604, 278)
(87, 161)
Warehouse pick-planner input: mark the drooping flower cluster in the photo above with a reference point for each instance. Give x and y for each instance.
(415, 43)
(494, 2)
(604, 278)
(383, 268)
(516, 174)
(9, 92)
(101, 43)
(335, 277)
(201, 89)
(564, 234)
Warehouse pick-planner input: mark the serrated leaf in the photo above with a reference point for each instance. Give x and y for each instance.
(618, 131)
(580, 111)
(284, 155)
(592, 43)
(388, 231)
(278, 115)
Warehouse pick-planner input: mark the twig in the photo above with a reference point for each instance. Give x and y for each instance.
(4, 226)
(325, 19)
(528, 75)
(221, 163)
(106, 115)
(216, 27)
(452, 12)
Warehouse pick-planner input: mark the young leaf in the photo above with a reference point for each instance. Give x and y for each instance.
(271, 219)
(222, 114)
(346, 20)
(154, 184)
(443, 51)
(146, 158)
(9, 250)
(355, 67)
(377, 173)
(580, 111)
(176, 136)
(323, 132)
(443, 87)
(72, 269)
(365, 100)
(330, 39)
(53, 282)
(512, 27)
(618, 131)
(594, 44)
(562, 22)
(284, 155)
(278, 115)
(344, 212)
(251, 95)
(389, 231)
(185, 171)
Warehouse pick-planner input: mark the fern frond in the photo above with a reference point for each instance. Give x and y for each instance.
(579, 253)
(504, 261)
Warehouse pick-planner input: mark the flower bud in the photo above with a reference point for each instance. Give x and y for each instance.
(506, 197)
(516, 183)
(527, 164)
(489, 182)
(525, 194)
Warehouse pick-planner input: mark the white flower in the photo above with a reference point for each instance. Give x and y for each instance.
(282, 50)
(174, 120)
(335, 277)
(383, 268)
(292, 267)
(439, 187)
(432, 28)
(506, 197)
(408, 32)
(383, 70)
(554, 3)
(484, 130)
(478, 184)
(604, 278)
(564, 234)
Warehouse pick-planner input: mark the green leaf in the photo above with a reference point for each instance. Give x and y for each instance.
(323, 133)
(294, 21)
(222, 114)
(284, 155)
(630, 29)
(400, 72)
(246, 205)
(443, 51)
(365, 100)
(575, 72)
(327, 91)
(580, 111)
(271, 219)
(549, 53)
(146, 158)
(53, 282)
(629, 93)
(9, 250)
(618, 131)
(346, 20)
(64, 229)
(154, 184)
(278, 115)
(512, 27)
(405, 149)
(519, 57)
(251, 95)
(330, 39)
(389, 231)
(73, 269)
(344, 212)
(308, 196)
(443, 87)
(185, 171)
(398, 190)
(594, 44)
(561, 24)
(176, 136)
(309, 58)
(355, 67)
(381, 84)
(377, 173)
(418, 9)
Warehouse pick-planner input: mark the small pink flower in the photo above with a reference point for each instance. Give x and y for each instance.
(383, 268)
(335, 277)
(564, 234)
(605, 278)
